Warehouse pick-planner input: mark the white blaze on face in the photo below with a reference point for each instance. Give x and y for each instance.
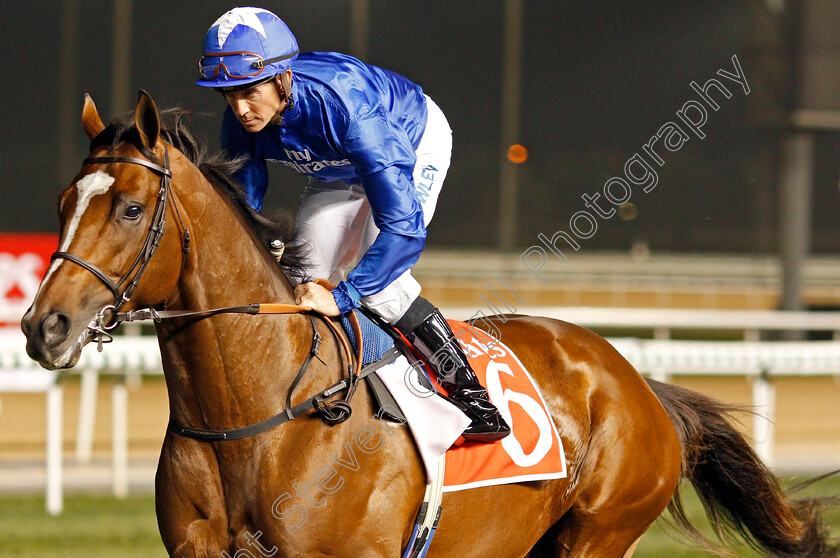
(89, 186)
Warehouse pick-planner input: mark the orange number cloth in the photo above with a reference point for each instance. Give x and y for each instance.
(533, 451)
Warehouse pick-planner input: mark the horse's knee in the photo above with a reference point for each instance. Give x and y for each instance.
(202, 540)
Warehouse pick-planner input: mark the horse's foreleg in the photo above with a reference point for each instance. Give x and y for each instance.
(201, 542)
(189, 500)
(632, 548)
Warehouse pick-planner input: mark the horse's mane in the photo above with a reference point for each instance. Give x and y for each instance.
(218, 169)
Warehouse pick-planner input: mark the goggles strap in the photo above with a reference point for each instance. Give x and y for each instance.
(286, 82)
(263, 63)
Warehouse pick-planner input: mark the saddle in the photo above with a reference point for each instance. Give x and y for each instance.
(532, 452)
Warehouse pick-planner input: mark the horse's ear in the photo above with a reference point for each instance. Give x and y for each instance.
(90, 118)
(147, 119)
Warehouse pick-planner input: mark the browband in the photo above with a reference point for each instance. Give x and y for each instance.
(133, 160)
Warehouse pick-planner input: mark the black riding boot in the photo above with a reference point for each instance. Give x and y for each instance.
(426, 328)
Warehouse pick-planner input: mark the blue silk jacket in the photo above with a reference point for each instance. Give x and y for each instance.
(354, 123)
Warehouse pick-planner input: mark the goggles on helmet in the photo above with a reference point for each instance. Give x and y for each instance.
(239, 64)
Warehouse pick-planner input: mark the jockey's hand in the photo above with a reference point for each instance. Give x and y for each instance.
(316, 297)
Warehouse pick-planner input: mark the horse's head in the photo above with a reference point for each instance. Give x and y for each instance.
(111, 216)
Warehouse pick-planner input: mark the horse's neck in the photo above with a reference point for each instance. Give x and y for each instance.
(225, 370)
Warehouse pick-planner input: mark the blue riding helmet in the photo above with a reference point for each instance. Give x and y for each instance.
(244, 46)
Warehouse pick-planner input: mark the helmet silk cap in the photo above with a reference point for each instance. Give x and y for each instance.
(246, 45)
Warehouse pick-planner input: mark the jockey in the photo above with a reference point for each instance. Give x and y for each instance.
(375, 150)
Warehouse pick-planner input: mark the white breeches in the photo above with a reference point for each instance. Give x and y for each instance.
(337, 226)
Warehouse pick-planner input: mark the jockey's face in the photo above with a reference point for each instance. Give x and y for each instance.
(258, 106)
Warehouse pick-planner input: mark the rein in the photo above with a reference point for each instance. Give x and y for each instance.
(333, 412)
(147, 314)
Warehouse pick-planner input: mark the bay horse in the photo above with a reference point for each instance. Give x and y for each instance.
(628, 441)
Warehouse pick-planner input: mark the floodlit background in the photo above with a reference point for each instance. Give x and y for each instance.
(548, 101)
(597, 80)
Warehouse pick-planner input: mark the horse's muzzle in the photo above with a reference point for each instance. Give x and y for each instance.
(47, 339)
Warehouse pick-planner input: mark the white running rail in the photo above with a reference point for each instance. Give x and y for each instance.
(659, 357)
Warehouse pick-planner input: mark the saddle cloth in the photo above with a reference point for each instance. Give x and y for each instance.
(533, 451)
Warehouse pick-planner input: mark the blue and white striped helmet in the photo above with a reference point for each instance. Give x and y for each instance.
(246, 45)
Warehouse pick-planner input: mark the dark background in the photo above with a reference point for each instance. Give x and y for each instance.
(598, 80)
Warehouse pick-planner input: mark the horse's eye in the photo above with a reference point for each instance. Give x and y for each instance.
(133, 211)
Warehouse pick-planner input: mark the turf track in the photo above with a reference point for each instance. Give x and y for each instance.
(100, 526)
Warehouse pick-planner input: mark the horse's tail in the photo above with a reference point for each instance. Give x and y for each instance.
(740, 494)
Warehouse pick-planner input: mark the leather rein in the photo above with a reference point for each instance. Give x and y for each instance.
(332, 412)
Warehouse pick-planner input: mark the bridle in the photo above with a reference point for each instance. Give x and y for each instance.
(332, 412)
(124, 289)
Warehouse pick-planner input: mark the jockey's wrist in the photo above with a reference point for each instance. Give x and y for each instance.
(346, 297)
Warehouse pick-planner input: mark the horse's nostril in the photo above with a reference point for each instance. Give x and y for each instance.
(55, 327)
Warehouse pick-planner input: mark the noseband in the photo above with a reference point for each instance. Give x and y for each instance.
(123, 294)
